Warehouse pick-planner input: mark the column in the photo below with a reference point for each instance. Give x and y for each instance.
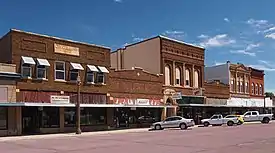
(163, 114)
(193, 76)
(183, 75)
(61, 119)
(174, 74)
(236, 80)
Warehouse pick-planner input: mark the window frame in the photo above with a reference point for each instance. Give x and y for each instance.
(88, 74)
(73, 71)
(256, 89)
(246, 87)
(64, 71)
(103, 77)
(196, 81)
(187, 79)
(252, 88)
(26, 66)
(168, 82)
(178, 76)
(45, 72)
(261, 90)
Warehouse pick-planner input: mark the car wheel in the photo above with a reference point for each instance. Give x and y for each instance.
(266, 120)
(230, 123)
(157, 127)
(206, 124)
(183, 126)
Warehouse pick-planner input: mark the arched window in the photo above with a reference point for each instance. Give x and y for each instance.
(178, 74)
(241, 86)
(246, 87)
(187, 77)
(256, 89)
(252, 88)
(261, 90)
(238, 86)
(167, 75)
(196, 77)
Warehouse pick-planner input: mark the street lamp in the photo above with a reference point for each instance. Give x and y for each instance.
(78, 130)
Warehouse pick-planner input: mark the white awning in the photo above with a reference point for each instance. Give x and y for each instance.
(103, 69)
(28, 60)
(76, 66)
(43, 62)
(92, 68)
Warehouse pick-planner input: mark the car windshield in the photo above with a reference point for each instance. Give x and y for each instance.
(230, 116)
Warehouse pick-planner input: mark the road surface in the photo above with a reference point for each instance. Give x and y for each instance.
(253, 138)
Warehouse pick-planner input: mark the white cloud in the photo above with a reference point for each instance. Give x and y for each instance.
(257, 23)
(202, 36)
(251, 46)
(174, 34)
(264, 65)
(118, 1)
(243, 52)
(219, 63)
(272, 36)
(136, 39)
(269, 29)
(218, 41)
(226, 20)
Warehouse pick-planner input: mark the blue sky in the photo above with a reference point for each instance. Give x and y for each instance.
(239, 31)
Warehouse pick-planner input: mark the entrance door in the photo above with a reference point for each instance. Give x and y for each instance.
(30, 120)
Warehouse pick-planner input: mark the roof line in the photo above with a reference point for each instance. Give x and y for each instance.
(62, 39)
(161, 36)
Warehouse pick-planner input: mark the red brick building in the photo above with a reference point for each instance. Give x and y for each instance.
(256, 83)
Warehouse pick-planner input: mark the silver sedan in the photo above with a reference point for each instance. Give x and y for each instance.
(173, 122)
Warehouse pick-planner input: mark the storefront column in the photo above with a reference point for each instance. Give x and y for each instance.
(110, 117)
(163, 114)
(19, 120)
(61, 119)
(183, 74)
(193, 76)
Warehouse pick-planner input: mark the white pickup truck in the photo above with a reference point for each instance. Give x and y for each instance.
(218, 120)
(251, 116)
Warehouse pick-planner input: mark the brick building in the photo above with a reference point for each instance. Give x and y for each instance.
(49, 69)
(181, 64)
(138, 94)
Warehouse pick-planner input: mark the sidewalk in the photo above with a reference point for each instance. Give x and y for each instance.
(48, 136)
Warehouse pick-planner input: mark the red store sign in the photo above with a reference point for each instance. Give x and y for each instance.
(139, 102)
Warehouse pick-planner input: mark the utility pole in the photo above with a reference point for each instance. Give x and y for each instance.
(78, 130)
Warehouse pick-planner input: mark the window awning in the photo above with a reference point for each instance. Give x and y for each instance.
(76, 66)
(92, 68)
(28, 60)
(103, 69)
(43, 62)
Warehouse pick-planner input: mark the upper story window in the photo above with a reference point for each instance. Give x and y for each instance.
(178, 76)
(252, 88)
(238, 86)
(232, 85)
(60, 70)
(196, 77)
(187, 77)
(26, 66)
(256, 89)
(91, 71)
(74, 71)
(261, 90)
(41, 68)
(241, 86)
(100, 77)
(246, 87)
(167, 75)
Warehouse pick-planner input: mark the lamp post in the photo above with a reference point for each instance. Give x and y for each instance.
(78, 130)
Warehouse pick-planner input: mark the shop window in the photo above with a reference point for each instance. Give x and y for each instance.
(69, 117)
(196, 77)
(59, 70)
(178, 74)
(100, 77)
(50, 117)
(187, 77)
(252, 88)
(3, 118)
(90, 77)
(261, 90)
(167, 75)
(256, 89)
(26, 70)
(41, 72)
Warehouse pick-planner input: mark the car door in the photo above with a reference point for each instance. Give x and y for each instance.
(247, 117)
(168, 122)
(214, 120)
(176, 122)
(254, 116)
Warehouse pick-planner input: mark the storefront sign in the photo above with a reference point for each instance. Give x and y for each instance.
(63, 49)
(60, 99)
(142, 102)
(124, 101)
(177, 95)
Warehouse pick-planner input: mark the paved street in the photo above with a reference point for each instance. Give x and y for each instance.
(252, 138)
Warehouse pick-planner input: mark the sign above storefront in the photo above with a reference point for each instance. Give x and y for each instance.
(63, 49)
(137, 102)
(177, 95)
(60, 99)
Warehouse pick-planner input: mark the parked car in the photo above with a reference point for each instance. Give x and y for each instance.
(173, 122)
(146, 119)
(218, 120)
(252, 116)
(240, 118)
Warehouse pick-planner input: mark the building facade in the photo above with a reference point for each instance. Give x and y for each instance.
(138, 97)
(51, 69)
(181, 64)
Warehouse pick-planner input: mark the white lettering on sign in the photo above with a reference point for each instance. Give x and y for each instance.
(60, 99)
(143, 102)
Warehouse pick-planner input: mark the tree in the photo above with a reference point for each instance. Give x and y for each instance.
(269, 94)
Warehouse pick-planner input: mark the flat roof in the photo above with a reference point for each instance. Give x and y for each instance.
(62, 39)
